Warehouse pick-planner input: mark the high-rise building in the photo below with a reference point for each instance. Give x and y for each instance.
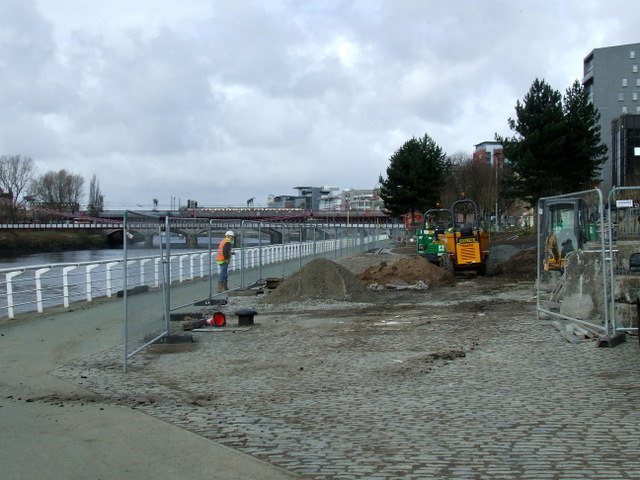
(612, 80)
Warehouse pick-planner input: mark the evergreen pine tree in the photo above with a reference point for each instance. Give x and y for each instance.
(557, 147)
(414, 176)
(585, 152)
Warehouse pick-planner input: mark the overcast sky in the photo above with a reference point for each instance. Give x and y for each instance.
(224, 100)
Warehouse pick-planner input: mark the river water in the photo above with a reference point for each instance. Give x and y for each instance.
(24, 293)
(78, 256)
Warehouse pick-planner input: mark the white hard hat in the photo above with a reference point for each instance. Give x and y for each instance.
(229, 234)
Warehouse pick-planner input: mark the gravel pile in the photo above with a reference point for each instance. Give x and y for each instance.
(520, 266)
(409, 270)
(320, 279)
(347, 279)
(359, 262)
(502, 253)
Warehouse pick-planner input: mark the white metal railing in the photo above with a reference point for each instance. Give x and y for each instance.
(30, 288)
(59, 226)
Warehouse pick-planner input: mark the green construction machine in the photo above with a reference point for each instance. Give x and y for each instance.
(435, 223)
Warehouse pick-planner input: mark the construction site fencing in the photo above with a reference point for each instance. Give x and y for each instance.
(261, 250)
(265, 250)
(279, 245)
(573, 282)
(34, 288)
(146, 314)
(623, 241)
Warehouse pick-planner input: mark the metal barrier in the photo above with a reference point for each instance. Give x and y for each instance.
(146, 313)
(286, 243)
(623, 228)
(37, 287)
(264, 248)
(572, 279)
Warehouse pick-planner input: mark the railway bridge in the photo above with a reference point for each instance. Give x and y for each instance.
(196, 223)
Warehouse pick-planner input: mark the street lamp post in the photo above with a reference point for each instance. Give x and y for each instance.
(495, 166)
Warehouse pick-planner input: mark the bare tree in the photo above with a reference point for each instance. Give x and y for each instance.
(15, 174)
(96, 199)
(60, 191)
(457, 181)
(477, 180)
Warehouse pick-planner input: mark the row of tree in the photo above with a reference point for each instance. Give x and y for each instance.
(556, 148)
(59, 191)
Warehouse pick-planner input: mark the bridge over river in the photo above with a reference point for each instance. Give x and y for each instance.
(142, 226)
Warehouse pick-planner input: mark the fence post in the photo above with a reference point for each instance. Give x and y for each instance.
(88, 269)
(39, 272)
(109, 285)
(142, 263)
(181, 267)
(65, 285)
(9, 276)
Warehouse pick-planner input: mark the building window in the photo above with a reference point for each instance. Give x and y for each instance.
(637, 82)
(621, 97)
(634, 68)
(624, 82)
(624, 109)
(638, 109)
(632, 54)
(635, 96)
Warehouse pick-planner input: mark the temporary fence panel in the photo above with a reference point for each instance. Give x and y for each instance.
(36, 287)
(146, 318)
(187, 252)
(192, 251)
(267, 248)
(623, 241)
(262, 250)
(573, 283)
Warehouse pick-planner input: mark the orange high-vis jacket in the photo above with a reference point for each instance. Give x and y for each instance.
(221, 258)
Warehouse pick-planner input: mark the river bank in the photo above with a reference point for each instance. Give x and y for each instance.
(13, 243)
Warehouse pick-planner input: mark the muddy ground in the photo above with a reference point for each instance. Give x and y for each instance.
(365, 277)
(377, 365)
(329, 364)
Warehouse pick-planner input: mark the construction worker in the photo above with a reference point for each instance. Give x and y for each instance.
(223, 259)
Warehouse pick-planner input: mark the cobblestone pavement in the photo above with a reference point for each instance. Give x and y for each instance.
(460, 383)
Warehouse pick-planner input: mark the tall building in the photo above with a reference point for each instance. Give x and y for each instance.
(625, 150)
(489, 152)
(612, 80)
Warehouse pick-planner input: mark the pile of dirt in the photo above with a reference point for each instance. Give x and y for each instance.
(408, 270)
(521, 266)
(321, 279)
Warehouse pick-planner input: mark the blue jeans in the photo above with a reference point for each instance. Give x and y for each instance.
(222, 269)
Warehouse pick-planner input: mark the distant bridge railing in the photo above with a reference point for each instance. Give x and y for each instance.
(60, 226)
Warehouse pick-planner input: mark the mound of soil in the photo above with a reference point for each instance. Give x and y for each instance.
(521, 266)
(410, 270)
(321, 279)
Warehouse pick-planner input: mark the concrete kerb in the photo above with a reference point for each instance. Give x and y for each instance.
(55, 427)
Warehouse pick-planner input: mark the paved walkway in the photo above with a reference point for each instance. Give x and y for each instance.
(467, 385)
(53, 429)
